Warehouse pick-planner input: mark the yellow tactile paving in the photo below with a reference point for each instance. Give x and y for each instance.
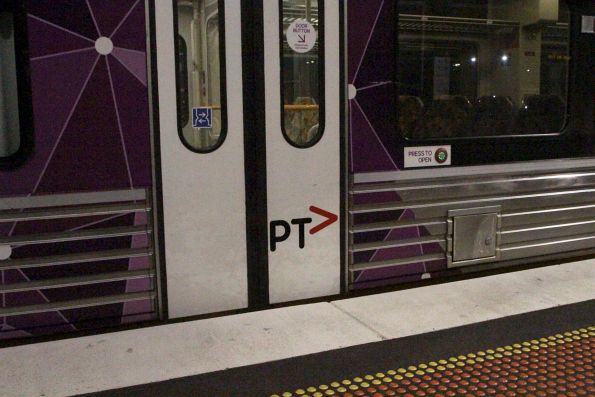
(557, 365)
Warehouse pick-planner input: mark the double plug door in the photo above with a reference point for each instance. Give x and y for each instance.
(250, 138)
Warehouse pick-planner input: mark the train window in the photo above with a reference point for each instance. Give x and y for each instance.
(302, 71)
(477, 68)
(15, 106)
(200, 74)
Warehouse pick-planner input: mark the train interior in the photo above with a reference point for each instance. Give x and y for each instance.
(301, 75)
(482, 68)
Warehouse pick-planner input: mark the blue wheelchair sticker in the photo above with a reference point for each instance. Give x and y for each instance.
(202, 117)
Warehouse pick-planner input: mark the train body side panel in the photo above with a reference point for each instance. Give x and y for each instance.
(88, 63)
(538, 189)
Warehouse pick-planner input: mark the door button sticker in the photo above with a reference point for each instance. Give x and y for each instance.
(301, 36)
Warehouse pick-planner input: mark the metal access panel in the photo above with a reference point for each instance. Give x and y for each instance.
(473, 235)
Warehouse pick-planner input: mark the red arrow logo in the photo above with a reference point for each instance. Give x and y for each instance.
(330, 219)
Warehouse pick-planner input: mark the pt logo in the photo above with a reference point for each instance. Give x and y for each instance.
(280, 230)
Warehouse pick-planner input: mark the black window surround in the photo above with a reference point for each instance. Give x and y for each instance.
(321, 78)
(23, 76)
(182, 86)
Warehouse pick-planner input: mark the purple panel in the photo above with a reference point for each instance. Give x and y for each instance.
(141, 284)
(108, 14)
(131, 96)
(85, 292)
(53, 39)
(382, 117)
(134, 61)
(362, 16)
(33, 323)
(378, 64)
(104, 316)
(86, 160)
(139, 317)
(377, 216)
(54, 99)
(75, 269)
(5, 228)
(375, 198)
(400, 252)
(22, 298)
(138, 285)
(369, 237)
(372, 66)
(395, 273)
(9, 332)
(61, 225)
(410, 269)
(436, 266)
(388, 281)
(131, 34)
(368, 152)
(72, 15)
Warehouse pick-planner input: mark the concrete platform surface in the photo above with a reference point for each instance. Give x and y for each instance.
(106, 361)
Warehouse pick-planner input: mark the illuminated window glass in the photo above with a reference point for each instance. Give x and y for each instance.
(302, 68)
(476, 68)
(200, 75)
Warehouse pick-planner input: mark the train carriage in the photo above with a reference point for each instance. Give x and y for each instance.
(173, 159)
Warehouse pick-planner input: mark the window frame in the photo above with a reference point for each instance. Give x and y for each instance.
(222, 80)
(572, 141)
(24, 90)
(321, 77)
